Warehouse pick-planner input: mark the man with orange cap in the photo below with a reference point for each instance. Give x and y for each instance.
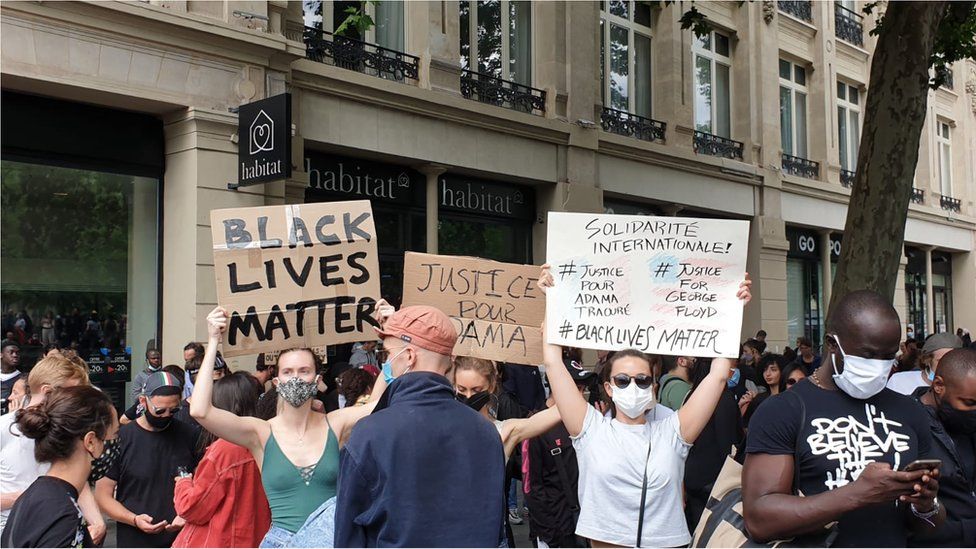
(421, 453)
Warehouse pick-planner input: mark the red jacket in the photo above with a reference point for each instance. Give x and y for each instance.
(224, 503)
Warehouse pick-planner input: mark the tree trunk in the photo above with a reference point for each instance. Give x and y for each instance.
(874, 232)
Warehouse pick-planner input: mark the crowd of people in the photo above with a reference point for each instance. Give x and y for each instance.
(868, 441)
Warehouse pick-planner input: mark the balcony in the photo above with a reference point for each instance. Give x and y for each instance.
(847, 178)
(950, 204)
(714, 145)
(355, 55)
(502, 93)
(848, 26)
(794, 165)
(918, 196)
(796, 8)
(631, 125)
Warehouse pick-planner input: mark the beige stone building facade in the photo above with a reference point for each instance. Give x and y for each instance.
(571, 106)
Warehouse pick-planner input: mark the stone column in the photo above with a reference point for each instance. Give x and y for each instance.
(433, 172)
(437, 42)
(825, 272)
(929, 294)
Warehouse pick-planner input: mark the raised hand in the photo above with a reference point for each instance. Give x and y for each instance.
(217, 323)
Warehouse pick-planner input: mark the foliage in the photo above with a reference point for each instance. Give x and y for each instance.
(356, 19)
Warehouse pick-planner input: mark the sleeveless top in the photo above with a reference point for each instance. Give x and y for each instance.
(295, 492)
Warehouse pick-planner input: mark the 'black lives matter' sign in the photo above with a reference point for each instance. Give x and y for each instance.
(301, 275)
(264, 140)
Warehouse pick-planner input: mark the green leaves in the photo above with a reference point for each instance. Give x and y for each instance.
(357, 19)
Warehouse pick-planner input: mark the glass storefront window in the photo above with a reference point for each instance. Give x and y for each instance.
(79, 264)
(487, 239)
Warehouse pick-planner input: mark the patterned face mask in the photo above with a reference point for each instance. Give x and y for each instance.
(102, 463)
(296, 391)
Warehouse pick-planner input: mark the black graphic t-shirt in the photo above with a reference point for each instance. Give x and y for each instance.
(840, 436)
(47, 515)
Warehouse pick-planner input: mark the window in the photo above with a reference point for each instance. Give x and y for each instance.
(713, 64)
(626, 26)
(388, 17)
(487, 48)
(848, 124)
(943, 139)
(793, 108)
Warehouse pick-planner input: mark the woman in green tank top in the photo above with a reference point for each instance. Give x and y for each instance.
(298, 450)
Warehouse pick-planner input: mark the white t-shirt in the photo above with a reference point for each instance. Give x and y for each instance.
(18, 468)
(611, 458)
(906, 382)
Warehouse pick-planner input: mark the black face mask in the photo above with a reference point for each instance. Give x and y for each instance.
(961, 422)
(101, 464)
(476, 401)
(158, 423)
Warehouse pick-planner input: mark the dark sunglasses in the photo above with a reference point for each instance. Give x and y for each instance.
(161, 411)
(621, 381)
(791, 382)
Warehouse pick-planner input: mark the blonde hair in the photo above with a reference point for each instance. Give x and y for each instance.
(483, 366)
(55, 371)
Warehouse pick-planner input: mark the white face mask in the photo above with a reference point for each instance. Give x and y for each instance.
(632, 400)
(862, 378)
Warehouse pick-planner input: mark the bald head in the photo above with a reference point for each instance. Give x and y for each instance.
(957, 365)
(866, 324)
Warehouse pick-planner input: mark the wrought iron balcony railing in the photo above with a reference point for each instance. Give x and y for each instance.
(714, 145)
(802, 167)
(797, 8)
(918, 195)
(347, 53)
(950, 204)
(847, 178)
(632, 125)
(502, 93)
(848, 26)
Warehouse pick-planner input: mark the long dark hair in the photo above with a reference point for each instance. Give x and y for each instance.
(768, 360)
(237, 393)
(355, 383)
(65, 418)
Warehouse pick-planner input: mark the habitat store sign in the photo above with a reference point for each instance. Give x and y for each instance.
(264, 140)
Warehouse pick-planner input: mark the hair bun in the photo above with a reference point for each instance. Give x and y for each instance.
(34, 422)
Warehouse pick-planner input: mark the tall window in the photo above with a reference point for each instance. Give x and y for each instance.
(848, 124)
(388, 17)
(626, 27)
(713, 64)
(943, 139)
(793, 108)
(496, 38)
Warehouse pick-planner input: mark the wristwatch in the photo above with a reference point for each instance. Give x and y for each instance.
(936, 507)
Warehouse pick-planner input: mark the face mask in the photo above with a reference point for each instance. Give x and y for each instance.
(476, 401)
(296, 391)
(862, 378)
(746, 357)
(956, 421)
(632, 400)
(101, 464)
(734, 378)
(157, 422)
(931, 376)
(388, 367)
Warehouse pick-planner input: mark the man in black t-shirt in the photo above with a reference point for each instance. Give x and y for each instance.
(850, 438)
(137, 490)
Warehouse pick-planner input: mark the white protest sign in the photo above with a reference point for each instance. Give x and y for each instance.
(664, 285)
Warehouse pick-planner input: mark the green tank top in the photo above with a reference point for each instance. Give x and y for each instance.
(295, 492)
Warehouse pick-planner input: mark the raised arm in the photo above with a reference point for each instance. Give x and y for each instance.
(514, 431)
(701, 404)
(248, 432)
(571, 404)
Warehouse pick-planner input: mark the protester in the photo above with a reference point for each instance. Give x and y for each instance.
(137, 491)
(676, 384)
(191, 351)
(850, 437)
(792, 374)
(364, 356)
(264, 372)
(19, 395)
(223, 502)
(936, 346)
(551, 478)
(137, 409)
(298, 449)
(154, 363)
(628, 456)
(909, 359)
(790, 355)
(18, 464)
(421, 455)
(806, 357)
(355, 387)
(773, 382)
(951, 407)
(9, 372)
(964, 335)
(761, 336)
(749, 355)
(74, 432)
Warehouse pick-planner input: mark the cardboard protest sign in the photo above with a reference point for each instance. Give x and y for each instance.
(300, 275)
(664, 285)
(271, 357)
(497, 308)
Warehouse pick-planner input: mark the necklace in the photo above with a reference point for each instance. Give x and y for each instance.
(301, 437)
(816, 380)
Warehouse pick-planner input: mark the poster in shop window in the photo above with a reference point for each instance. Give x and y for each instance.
(299, 275)
(497, 308)
(663, 285)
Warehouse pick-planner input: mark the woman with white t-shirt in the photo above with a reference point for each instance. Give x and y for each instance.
(619, 456)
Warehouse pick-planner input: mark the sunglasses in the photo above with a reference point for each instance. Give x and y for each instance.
(161, 411)
(621, 381)
(791, 382)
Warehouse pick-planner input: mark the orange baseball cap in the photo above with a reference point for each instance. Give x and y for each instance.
(423, 326)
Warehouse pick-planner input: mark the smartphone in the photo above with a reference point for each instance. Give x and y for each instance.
(923, 464)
